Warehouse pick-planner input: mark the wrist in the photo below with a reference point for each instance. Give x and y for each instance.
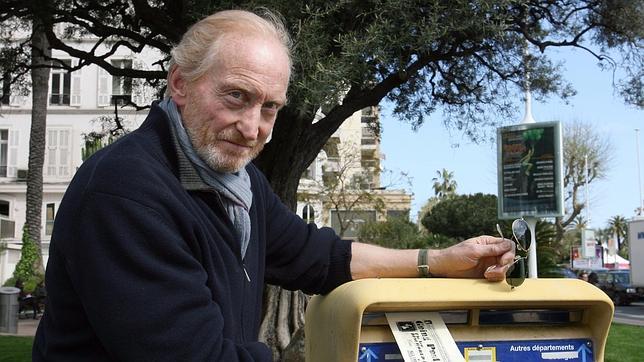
(434, 261)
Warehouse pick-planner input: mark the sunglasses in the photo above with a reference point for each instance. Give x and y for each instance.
(521, 236)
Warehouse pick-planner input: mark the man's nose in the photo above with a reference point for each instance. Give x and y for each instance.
(248, 124)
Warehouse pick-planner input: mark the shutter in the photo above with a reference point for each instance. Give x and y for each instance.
(12, 159)
(76, 85)
(50, 153)
(104, 87)
(63, 153)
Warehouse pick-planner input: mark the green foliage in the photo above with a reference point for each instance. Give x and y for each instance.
(548, 252)
(618, 225)
(396, 233)
(399, 233)
(463, 216)
(11, 282)
(26, 270)
(444, 184)
(437, 241)
(110, 131)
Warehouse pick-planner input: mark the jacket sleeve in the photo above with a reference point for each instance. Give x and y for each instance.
(300, 255)
(142, 287)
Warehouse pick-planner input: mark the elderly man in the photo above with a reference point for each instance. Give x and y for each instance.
(164, 240)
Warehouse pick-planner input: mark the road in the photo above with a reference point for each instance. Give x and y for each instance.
(632, 314)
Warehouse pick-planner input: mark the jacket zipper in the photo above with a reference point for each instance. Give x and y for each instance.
(245, 272)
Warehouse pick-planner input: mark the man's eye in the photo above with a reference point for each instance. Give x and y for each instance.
(271, 106)
(236, 94)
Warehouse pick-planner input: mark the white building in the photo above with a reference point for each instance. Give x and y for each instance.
(76, 101)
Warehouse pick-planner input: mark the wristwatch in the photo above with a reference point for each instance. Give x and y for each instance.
(423, 266)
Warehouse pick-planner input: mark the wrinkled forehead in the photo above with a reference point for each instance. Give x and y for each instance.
(263, 55)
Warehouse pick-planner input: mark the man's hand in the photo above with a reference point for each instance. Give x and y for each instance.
(482, 256)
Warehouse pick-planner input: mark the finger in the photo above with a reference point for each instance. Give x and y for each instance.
(495, 273)
(508, 257)
(491, 240)
(495, 247)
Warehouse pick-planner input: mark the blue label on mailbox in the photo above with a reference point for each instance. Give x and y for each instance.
(569, 350)
(526, 351)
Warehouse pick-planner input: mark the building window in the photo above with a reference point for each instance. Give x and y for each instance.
(4, 208)
(308, 213)
(49, 218)
(398, 214)
(118, 85)
(4, 151)
(61, 85)
(7, 226)
(122, 85)
(57, 153)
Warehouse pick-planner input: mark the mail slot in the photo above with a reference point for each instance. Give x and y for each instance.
(543, 319)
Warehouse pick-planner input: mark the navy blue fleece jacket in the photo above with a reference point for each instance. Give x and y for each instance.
(144, 264)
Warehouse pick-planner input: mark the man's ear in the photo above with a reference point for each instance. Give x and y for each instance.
(177, 86)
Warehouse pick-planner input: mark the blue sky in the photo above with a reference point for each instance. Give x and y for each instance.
(432, 147)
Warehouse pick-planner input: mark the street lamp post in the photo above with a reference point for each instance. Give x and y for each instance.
(639, 174)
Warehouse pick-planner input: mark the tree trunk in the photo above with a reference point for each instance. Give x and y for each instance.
(40, 52)
(296, 142)
(283, 161)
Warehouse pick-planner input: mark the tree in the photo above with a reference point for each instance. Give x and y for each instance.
(579, 223)
(463, 216)
(618, 226)
(466, 59)
(40, 68)
(463, 57)
(444, 184)
(397, 233)
(586, 158)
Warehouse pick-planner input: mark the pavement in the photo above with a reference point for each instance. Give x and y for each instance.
(26, 328)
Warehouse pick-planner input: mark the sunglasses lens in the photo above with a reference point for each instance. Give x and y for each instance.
(521, 233)
(516, 273)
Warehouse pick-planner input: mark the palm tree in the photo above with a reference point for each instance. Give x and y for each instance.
(444, 184)
(40, 77)
(618, 226)
(580, 222)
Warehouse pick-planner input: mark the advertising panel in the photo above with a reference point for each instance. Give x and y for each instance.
(530, 170)
(595, 261)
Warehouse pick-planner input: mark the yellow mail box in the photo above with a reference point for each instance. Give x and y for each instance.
(543, 319)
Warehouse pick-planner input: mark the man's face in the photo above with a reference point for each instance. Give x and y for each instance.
(230, 112)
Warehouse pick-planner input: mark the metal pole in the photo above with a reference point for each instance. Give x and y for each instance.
(532, 221)
(639, 174)
(532, 252)
(587, 192)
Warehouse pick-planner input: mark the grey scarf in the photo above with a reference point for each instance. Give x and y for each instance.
(235, 187)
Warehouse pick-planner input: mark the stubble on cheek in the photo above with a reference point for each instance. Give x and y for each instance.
(210, 146)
